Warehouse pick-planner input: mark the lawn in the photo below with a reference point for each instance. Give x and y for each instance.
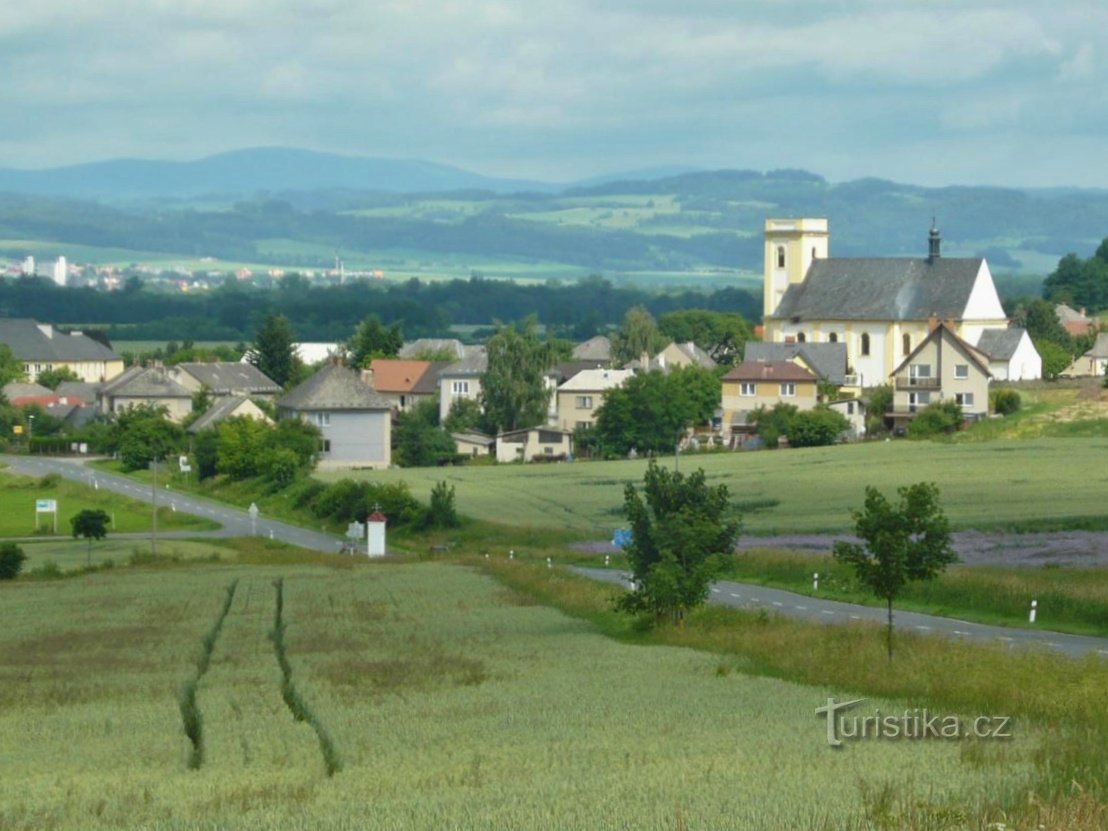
(436, 697)
(1018, 484)
(18, 495)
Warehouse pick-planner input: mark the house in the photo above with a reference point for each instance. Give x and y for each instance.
(423, 348)
(1074, 321)
(854, 411)
(1093, 363)
(461, 379)
(1012, 356)
(226, 378)
(598, 348)
(943, 367)
(673, 356)
(78, 392)
(473, 443)
(18, 394)
(882, 308)
(558, 375)
(230, 406)
(355, 422)
(582, 395)
(534, 443)
(827, 361)
(149, 387)
(41, 347)
(752, 385)
(404, 382)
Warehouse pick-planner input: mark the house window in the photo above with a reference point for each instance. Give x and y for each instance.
(583, 425)
(325, 445)
(788, 390)
(747, 388)
(907, 344)
(865, 343)
(961, 371)
(919, 373)
(833, 338)
(916, 400)
(850, 408)
(584, 402)
(322, 419)
(459, 387)
(549, 451)
(801, 337)
(964, 399)
(780, 256)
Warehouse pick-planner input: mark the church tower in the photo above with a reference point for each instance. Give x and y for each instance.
(791, 245)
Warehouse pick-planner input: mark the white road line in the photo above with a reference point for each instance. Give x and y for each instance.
(1103, 651)
(716, 591)
(734, 595)
(825, 612)
(1052, 643)
(1003, 638)
(755, 599)
(960, 632)
(855, 617)
(803, 608)
(924, 628)
(775, 603)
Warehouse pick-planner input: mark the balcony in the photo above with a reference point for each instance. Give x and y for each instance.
(917, 383)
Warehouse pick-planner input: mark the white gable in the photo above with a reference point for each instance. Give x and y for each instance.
(984, 302)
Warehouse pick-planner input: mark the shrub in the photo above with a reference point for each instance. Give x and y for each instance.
(11, 561)
(441, 513)
(1004, 402)
(818, 427)
(50, 480)
(936, 419)
(279, 466)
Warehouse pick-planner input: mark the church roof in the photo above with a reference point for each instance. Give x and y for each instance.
(1000, 344)
(882, 288)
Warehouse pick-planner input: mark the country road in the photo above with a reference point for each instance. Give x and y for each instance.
(234, 521)
(751, 597)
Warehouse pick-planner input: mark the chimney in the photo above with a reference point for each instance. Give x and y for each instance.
(932, 323)
(367, 376)
(934, 243)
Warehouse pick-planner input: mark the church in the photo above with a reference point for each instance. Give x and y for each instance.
(883, 308)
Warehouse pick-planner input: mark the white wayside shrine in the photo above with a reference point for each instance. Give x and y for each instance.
(375, 534)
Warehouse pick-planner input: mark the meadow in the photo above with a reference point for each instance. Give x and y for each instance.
(1021, 485)
(431, 696)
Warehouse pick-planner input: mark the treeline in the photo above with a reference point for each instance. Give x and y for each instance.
(234, 312)
(1080, 283)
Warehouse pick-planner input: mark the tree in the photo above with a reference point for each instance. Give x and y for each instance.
(373, 340)
(513, 391)
(1055, 358)
(878, 403)
(144, 434)
(465, 414)
(774, 422)
(274, 353)
(902, 543)
(11, 368)
(11, 560)
(92, 524)
(240, 447)
(817, 428)
(936, 419)
(637, 336)
(51, 378)
(681, 535)
(1041, 322)
(721, 334)
(418, 441)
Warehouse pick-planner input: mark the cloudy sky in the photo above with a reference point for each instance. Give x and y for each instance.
(927, 91)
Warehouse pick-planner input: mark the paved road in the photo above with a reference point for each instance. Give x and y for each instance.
(747, 596)
(234, 522)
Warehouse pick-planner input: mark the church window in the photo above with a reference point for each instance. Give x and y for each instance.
(833, 338)
(907, 339)
(865, 343)
(801, 337)
(780, 256)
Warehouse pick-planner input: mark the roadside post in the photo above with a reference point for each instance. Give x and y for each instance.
(253, 511)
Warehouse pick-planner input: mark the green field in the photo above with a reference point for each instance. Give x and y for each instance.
(440, 699)
(983, 485)
(18, 495)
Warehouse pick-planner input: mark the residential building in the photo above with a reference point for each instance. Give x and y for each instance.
(146, 387)
(61, 272)
(230, 406)
(598, 348)
(854, 411)
(942, 368)
(881, 308)
(752, 385)
(827, 361)
(461, 379)
(41, 347)
(582, 395)
(673, 356)
(225, 378)
(1093, 363)
(404, 382)
(1074, 321)
(473, 443)
(558, 375)
(18, 394)
(1011, 354)
(78, 392)
(533, 443)
(355, 422)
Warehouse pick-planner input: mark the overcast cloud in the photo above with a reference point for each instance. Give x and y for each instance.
(938, 92)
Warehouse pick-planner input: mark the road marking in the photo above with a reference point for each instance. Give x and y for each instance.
(1103, 651)
(825, 612)
(716, 591)
(755, 599)
(775, 603)
(1052, 643)
(924, 628)
(855, 617)
(734, 595)
(960, 632)
(804, 608)
(1002, 638)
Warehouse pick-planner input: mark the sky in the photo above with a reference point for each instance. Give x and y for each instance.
(931, 92)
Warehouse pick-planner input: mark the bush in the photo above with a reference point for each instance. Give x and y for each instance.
(11, 561)
(816, 428)
(1004, 402)
(936, 419)
(347, 500)
(279, 466)
(442, 513)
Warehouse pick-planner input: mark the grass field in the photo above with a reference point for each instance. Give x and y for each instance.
(438, 699)
(1022, 484)
(18, 495)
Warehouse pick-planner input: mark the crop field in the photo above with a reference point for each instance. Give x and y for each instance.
(18, 495)
(982, 485)
(412, 696)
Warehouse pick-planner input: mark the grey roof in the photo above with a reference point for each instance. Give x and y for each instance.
(428, 383)
(887, 288)
(473, 437)
(567, 369)
(474, 363)
(73, 415)
(19, 389)
(597, 348)
(80, 390)
(1000, 344)
(151, 382)
(334, 388)
(1100, 347)
(225, 377)
(32, 341)
(222, 409)
(697, 355)
(126, 375)
(828, 360)
(1068, 314)
(426, 346)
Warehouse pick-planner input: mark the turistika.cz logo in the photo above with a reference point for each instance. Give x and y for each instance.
(909, 724)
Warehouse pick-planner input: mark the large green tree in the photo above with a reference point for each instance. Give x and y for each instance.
(51, 378)
(1080, 282)
(721, 334)
(513, 392)
(144, 434)
(682, 532)
(372, 340)
(418, 440)
(11, 368)
(274, 353)
(638, 336)
(901, 543)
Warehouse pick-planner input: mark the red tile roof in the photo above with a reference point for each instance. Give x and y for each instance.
(769, 371)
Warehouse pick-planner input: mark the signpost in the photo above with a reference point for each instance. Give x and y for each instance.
(253, 511)
(46, 506)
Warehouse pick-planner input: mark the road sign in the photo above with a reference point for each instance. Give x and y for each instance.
(621, 538)
(18, 429)
(355, 531)
(47, 506)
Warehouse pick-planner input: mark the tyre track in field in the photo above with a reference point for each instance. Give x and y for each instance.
(299, 708)
(191, 718)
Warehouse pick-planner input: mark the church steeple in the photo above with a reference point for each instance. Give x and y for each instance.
(934, 243)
